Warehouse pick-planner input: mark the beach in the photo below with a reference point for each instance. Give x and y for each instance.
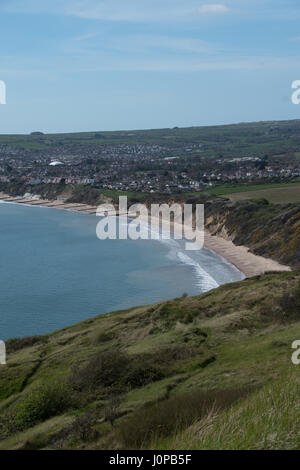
(239, 256)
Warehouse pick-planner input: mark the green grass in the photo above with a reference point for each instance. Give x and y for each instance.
(239, 337)
(274, 138)
(114, 194)
(276, 195)
(230, 189)
(267, 420)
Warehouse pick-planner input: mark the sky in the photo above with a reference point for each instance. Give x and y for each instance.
(89, 65)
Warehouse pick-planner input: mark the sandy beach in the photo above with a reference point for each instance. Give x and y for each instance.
(248, 263)
(240, 256)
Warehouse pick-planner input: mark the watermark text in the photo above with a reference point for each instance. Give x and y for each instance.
(161, 221)
(2, 353)
(296, 353)
(2, 92)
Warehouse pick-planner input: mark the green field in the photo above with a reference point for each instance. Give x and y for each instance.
(276, 195)
(225, 189)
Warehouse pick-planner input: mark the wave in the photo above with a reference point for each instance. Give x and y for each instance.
(204, 280)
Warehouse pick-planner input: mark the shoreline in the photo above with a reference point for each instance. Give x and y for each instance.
(246, 262)
(240, 257)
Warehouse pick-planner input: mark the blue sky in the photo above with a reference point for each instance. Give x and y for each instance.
(84, 65)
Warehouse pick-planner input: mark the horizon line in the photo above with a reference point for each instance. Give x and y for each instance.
(31, 134)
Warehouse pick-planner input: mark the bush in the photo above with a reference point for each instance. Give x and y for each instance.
(8, 425)
(41, 404)
(174, 414)
(116, 369)
(104, 370)
(83, 428)
(15, 344)
(112, 410)
(142, 374)
(104, 337)
(289, 303)
(168, 355)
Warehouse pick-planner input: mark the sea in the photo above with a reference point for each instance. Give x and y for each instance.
(55, 272)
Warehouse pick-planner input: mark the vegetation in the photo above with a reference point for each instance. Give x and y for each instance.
(270, 230)
(268, 419)
(258, 138)
(281, 194)
(172, 415)
(211, 371)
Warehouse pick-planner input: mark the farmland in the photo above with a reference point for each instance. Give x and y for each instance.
(284, 194)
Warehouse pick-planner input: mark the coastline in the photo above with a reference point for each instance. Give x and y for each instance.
(246, 262)
(240, 256)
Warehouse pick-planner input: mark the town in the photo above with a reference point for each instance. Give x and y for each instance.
(191, 161)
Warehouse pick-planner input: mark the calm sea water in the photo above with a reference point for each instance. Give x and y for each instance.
(54, 271)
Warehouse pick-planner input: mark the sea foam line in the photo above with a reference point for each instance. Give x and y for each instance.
(204, 280)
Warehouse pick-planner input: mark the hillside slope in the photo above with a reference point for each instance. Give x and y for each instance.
(269, 230)
(151, 376)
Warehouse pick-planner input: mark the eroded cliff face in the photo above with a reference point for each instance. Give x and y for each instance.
(216, 225)
(268, 230)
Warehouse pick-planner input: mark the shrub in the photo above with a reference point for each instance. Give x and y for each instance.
(174, 414)
(142, 374)
(115, 369)
(198, 332)
(41, 404)
(104, 337)
(167, 355)
(82, 426)
(103, 370)
(8, 425)
(112, 410)
(15, 344)
(289, 303)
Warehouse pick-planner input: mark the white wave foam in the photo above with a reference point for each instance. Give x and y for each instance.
(225, 261)
(204, 280)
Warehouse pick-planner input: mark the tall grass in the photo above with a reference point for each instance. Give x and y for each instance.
(269, 419)
(174, 414)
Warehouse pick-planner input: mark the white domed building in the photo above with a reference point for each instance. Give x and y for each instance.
(56, 163)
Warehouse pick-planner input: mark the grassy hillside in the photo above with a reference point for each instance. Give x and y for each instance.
(274, 138)
(268, 419)
(211, 371)
(270, 230)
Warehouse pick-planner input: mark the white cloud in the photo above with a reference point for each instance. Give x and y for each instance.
(213, 8)
(116, 10)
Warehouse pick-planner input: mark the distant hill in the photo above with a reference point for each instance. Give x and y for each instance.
(247, 139)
